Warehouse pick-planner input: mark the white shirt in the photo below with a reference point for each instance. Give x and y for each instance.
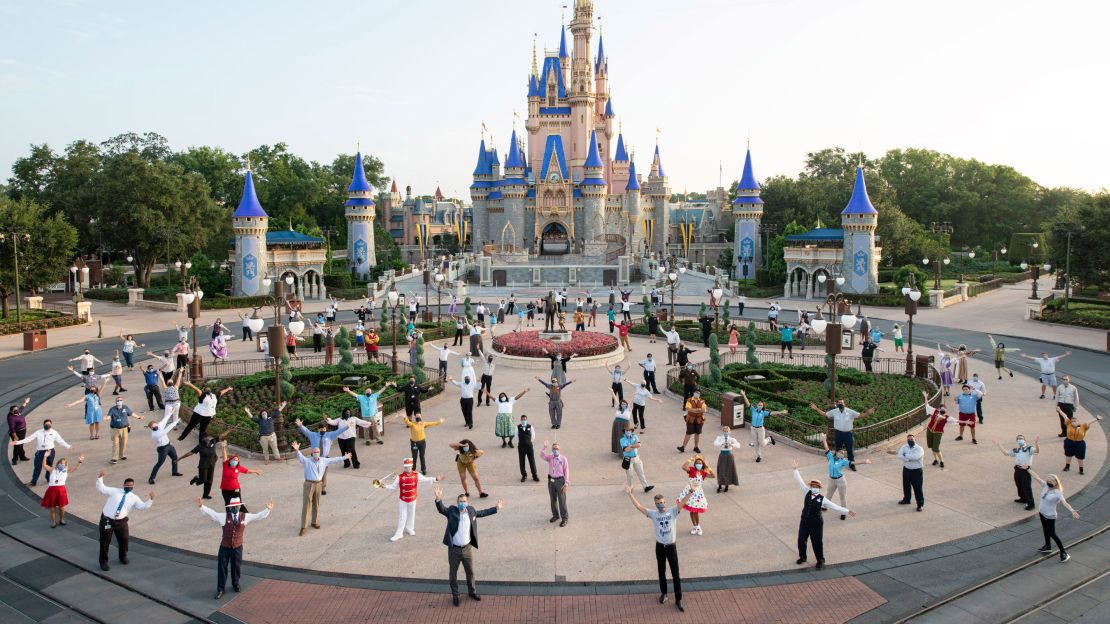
(506, 406)
(206, 406)
(221, 518)
(462, 535)
(467, 365)
(1067, 394)
(444, 353)
(44, 440)
(349, 432)
(649, 365)
(626, 306)
(726, 441)
(165, 426)
(641, 396)
(978, 388)
(466, 390)
(842, 421)
(169, 364)
(911, 457)
(57, 477)
(1050, 498)
(1048, 365)
(826, 503)
(86, 361)
(617, 375)
(623, 415)
(1023, 455)
(672, 336)
(113, 508)
(488, 366)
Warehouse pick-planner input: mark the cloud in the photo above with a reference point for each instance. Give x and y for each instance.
(7, 61)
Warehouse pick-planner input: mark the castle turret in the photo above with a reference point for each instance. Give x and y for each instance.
(658, 193)
(360, 222)
(594, 192)
(601, 80)
(638, 229)
(618, 168)
(249, 223)
(582, 113)
(479, 194)
(747, 210)
(861, 257)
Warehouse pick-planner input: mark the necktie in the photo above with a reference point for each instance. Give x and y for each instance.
(122, 500)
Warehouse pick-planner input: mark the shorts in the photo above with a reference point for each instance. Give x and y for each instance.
(693, 427)
(1048, 379)
(967, 419)
(932, 440)
(897, 342)
(1076, 449)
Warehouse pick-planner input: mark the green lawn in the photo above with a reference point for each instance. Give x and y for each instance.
(27, 316)
(1095, 315)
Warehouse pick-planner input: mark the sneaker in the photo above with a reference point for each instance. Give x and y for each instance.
(843, 517)
(1064, 557)
(942, 465)
(523, 478)
(958, 438)
(697, 450)
(751, 443)
(1044, 549)
(772, 440)
(820, 564)
(1067, 467)
(1080, 470)
(694, 531)
(662, 598)
(758, 459)
(903, 502)
(800, 560)
(936, 461)
(1042, 396)
(681, 449)
(974, 441)
(396, 538)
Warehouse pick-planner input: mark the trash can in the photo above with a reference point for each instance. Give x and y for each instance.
(34, 340)
(921, 366)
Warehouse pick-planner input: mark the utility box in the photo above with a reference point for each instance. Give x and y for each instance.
(921, 366)
(34, 340)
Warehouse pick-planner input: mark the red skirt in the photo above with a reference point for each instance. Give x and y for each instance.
(55, 496)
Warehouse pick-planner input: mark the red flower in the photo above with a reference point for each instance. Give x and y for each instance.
(529, 344)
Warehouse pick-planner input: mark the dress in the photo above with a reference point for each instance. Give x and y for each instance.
(619, 422)
(946, 372)
(93, 413)
(503, 426)
(961, 367)
(733, 340)
(218, 347)
(55, 495)
(697, 503)
(726, 465)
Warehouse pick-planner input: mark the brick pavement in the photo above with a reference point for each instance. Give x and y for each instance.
(818, 602)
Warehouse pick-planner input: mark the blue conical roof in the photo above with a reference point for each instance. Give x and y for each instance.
(359, 183)
(860, 202)
(493, 159)
(533, 88)
(563, 43)
(633, 180)
(513, 159)
(482, 168)
(593, 159)
(609, 107)
(658, 162)
(747, 180)
(622, 154)
(600, 60)
(248, 205)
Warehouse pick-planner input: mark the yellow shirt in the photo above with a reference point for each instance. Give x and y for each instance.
(1076, 434)
(416, 429)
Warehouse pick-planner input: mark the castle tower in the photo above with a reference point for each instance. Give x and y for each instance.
(860, 263)
(601, 80)
(658, 193)
(360, 215)
(479, 193)
(747, 210)
(619, 167)
(581, 94)
(513, 190)
(594, 191)
(639, 229)
(249, 223)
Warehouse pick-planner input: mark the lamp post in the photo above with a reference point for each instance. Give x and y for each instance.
(717, 293)
(996, 252)
(275, 338)
(937, 262)
(80, 272)
(910, 295)
(767, 229)
(1069, 230)
(971, 255)
(439, 301)
(395, 299)
(17, 236)
(833, 331)
(672, 277)
(839, 281)
(427, 276)
(1033, 245)
(191, 299)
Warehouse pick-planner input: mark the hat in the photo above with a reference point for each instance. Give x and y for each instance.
(235, 502)
(407, 461)
(815, 483)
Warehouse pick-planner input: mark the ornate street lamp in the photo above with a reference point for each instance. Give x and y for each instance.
(910, 296)
(937, 262)
(717, 294)
(394, 299)
(833, 331)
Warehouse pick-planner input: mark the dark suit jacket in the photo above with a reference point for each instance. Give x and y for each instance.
(452, 514)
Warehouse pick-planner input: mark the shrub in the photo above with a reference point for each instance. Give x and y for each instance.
(338, 280)
(899, 276)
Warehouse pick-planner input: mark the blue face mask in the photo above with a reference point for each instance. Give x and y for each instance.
(127, 489)
(462, 506)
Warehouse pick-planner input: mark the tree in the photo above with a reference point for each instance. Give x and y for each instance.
(1089, 224)
(43, 258)
(212, 277)
(343, 343)
(418, 371)
(714, 360)
(467, 311)
(749, 345)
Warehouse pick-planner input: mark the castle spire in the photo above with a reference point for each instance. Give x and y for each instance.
(512, 159)
(359, 183)
(633, 179)
(747, 180)
(248, 205)
(600, 61)
(563, 41)
(482, 168)
(609, 106)
(657, 163)
(622, 155)
(594, 158)
(535, 68)
(860, 202)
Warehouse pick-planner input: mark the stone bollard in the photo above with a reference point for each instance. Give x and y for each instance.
(33, 303)
(84, 310)
(936, 299)
(134, 296)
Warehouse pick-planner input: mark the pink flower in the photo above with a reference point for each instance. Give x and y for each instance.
(529, 344)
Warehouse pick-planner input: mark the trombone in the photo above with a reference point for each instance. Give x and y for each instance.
(380, 483)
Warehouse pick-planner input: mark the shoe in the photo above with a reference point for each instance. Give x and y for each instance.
(1011, 374)
(554, 519)
(1080, 470)
(123, 459)
(396, 538)
(324, 493)
(1042, 396)
(315, 526)
(1064, 557)
(852, 467)
(104, 566)
(1029, 507)
(800, 560)
(758, 459)
(1045, 549)
(523, 478)
(958, 438)
(693, 530)
(719, 488)
(843, 517)
(942, 465)
(697, 450)
(503, 445)
(124, 560)
(1067, 467)
(563, 523)
(511, 444)
(649, 488)
(936, 461)
(920, 507)
(1060, 435)
(903, 502)
(678, 603)
(475, 597)
(207, 498)
(535, 478)
(177, 474)
(772, 440)
(980, 421)
(236, 588)
(820, 563)
(974, 441)
(455, 600)
(662, 598)
(483, 495)
(219, 594)
(150, 481)
(116, 462)
(681, 449)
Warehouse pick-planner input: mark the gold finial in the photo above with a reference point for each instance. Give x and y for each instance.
(620, 127)
(483, 131)
(535, 68)
(248, 163)
(515, 117)
(563, 16)
(358, 146)
(657, 133)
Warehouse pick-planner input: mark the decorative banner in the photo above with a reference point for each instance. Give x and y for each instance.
(644, 224)
(358, 251)
(860, 259)
(746, 249)
(250, 281)
(422, 236)
(651, 233)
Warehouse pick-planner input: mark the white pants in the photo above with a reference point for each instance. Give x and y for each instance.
(406, 518)
(171, 411)
(838, 484)
(638, 466)
(379, 423)
(759, 439)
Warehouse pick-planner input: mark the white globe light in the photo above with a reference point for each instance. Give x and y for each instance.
(188, 265)
(681, 269)
(821, 279)
(85, 270)
(1024, 266)
(296, 327)
(717, 292)
(289, 279)
(915, 295)
(925, 261)
(130, 259)
(392, 296)
(1003, 251)
(1047, 267)
(267, 282)
(848, 321)
(840, 280)
(672, 276)
(1036, 244)
(255, 324)
(819, 325)
(971, 255)
(188, 298)
(906, 290)
(439, 277)
(947, 260)
(177, 264)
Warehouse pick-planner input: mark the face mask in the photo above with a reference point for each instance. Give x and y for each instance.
(233, 463)
(316, 457)
(127, 489)
(523, 421)
(698, 465)
(466, 449)
(1021, 441)
(412, 382)
(462, 506)
(1051, 485)
(408, 468)
(47, 426)
(815, 491)
(840, 406)
(555, 452)
(466, 380)
(660, 506)
(912, 443)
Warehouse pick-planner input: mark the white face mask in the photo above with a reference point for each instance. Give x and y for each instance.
(815, 491)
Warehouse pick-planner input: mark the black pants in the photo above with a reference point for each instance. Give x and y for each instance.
(814, 531)
(230, 494)
(667, 555)
(19, 451)
(228, 557)
(1069, 410)
(687, 392)
(247, 333)
(347, 445)
(165, 451)
(467, 406)
(317, 342)
(627, 315)
(649, 379)
(740, 309)
(153, 394)
(638, 417)
(618, 389)
(913, 478)
(522, 451)
(205, 470)
(458, 338)
(108, 528)
(196, 420)
(1024, 483)
(847, 440)
(411, 408)
(487, 387)
(704, 338)
(866, 364)
(1048, 527)
(182, 361)
(418, 451)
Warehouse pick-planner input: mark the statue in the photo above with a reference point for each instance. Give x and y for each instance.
(562, 321)
(549, 307)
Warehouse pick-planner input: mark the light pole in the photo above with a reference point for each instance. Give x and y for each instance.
(833, 331)
(937, 262)
(1033, 245)
(427, 276)
(672, 277)
(996, 252)
(717, 294)
(910, 295)
(184, 268)
(395, 299)
(767, 229)
(16, 236)
(1067, 266)
(80, 272)
(439, 301)
(970, 254)
(275, 338)
(839, 281)
(191, 299)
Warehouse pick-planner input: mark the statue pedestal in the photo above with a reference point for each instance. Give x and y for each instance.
(555, 336)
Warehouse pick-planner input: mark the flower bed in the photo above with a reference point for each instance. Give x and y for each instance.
(38, 320)
(529, 344)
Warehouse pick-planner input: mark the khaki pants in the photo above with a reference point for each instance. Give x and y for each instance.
(637, 465)
(269, 442)
(310, 500)
(759, 439)
(624, 342)
(119, 443)
(835, 485)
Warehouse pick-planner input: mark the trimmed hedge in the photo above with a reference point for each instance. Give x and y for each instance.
(55, 319)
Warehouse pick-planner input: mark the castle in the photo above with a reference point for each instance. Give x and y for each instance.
(562, 188)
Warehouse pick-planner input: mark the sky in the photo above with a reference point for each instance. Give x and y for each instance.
(1012, 82)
